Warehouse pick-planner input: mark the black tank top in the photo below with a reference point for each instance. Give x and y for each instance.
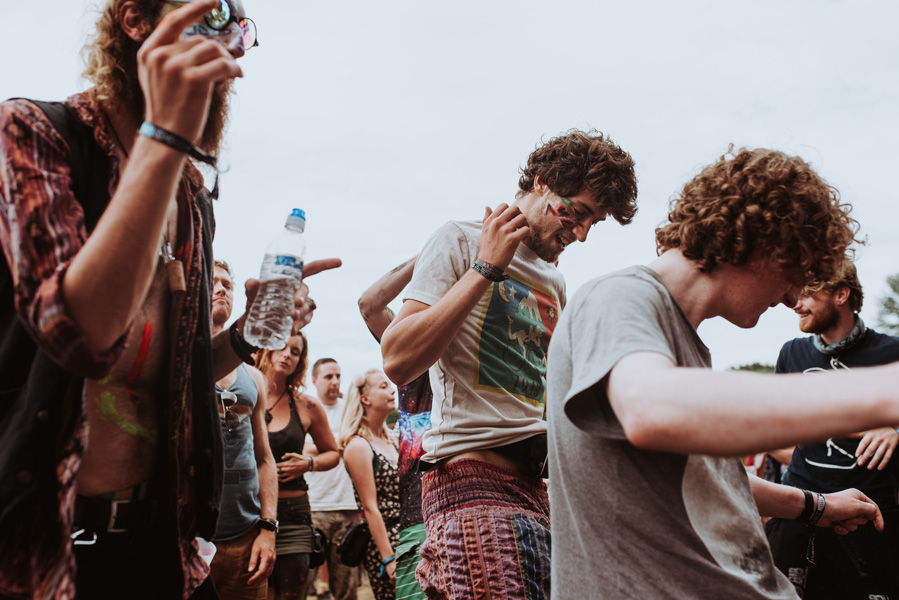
(290, 439)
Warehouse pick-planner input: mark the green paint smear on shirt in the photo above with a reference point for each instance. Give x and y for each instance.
(106, 405)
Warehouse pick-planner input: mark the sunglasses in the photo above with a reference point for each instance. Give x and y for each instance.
(219, 18)
(228, 400)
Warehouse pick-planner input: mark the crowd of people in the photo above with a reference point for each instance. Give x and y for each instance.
(135, 425)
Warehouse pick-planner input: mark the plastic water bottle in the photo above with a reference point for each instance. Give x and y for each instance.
(269, 321)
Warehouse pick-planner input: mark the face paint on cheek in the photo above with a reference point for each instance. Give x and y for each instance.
(566, 221)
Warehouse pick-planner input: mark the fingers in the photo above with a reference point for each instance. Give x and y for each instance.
(317, 266)
(878, 520)
(487, 212)
(170, 28)
(254, 559)
(876, 460)
(887, 455)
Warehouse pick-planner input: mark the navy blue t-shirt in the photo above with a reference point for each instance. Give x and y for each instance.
(830, 467)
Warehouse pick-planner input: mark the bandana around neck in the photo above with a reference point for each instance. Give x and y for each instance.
(857, 333)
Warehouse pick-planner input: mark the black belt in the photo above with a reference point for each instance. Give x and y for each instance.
(114, 516)
(236, 475)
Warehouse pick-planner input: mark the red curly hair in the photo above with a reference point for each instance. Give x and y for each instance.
(760, 201)
(578, 161)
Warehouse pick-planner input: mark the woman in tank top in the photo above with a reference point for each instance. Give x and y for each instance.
(289, 415)
(370, 455)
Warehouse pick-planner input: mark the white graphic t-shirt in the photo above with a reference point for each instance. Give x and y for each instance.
(490, 385)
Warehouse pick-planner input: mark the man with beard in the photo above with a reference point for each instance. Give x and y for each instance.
(111, 461)
(479, 312)
(649, 497)
(246, 528)
(864, 563)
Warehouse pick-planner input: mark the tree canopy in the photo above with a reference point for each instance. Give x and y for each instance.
(888, 319)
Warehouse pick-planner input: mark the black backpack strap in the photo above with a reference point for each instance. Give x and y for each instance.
(39, 400)
(90, 165)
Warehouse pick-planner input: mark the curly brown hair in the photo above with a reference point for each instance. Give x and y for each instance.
(578, 161)
(111, 57)
(760, 201)
(296, 381)
(846, 276)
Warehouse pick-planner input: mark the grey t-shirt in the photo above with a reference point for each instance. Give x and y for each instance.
(630, 523)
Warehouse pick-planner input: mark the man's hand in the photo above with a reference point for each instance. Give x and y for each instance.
(877, 447)
(303, 305)
(504, 228)
(846, 510)
(177, 77)
(262, 557)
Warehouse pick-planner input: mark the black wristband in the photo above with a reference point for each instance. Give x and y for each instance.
(173, 140)
(809, 509)
(819, 510)
(491, 272)
(242, 349)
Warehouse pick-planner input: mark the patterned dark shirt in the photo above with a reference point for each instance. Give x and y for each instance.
(41, 230)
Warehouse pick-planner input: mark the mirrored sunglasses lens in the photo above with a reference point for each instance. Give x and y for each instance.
(219, 18)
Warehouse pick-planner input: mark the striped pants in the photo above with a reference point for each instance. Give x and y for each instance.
(487, 534)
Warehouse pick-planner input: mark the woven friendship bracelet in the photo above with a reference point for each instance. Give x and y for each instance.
(491, 272)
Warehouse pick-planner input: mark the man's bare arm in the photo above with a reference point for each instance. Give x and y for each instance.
(844, 510)
(697, 411)
(420, 333)
(373, 302)
(223, 356)
(107, 281)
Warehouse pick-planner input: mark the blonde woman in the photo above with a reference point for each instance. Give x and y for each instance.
(370, 455)
(289, 415)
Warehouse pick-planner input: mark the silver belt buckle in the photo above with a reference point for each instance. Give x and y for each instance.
(113, 513)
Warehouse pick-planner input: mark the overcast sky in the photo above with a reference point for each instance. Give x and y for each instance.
(383, 120)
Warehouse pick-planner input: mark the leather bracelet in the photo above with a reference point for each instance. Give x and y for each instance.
(809, 509)
(491, 272)
(242, 349)
(311, 463)
(819, 510)
(175, 141)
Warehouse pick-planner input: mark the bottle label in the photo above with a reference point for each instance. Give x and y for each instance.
(287, 265)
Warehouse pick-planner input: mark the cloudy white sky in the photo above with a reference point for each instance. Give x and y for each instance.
(385, 119)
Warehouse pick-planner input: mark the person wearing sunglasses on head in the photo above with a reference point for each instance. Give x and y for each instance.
(112, 451)
(245, 533)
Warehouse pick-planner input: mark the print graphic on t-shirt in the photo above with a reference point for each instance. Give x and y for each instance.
(515, 328)
(840, 453)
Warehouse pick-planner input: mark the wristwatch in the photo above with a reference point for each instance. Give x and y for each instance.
(269, 524)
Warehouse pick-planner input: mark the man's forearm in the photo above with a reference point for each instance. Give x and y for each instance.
(108, 279)
(268, 490)
(417, 338)
(774, 500)
(697, 411)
